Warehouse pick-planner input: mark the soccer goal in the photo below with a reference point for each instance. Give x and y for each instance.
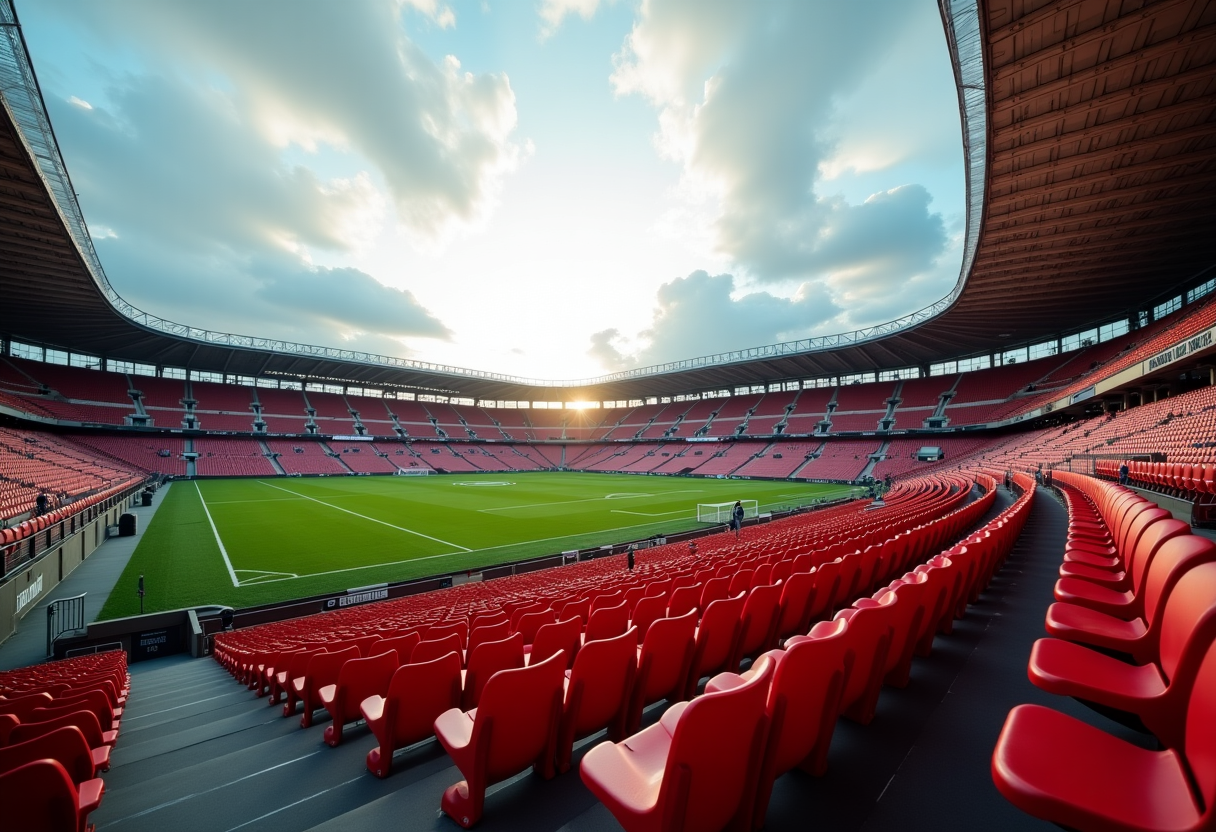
(721, 512)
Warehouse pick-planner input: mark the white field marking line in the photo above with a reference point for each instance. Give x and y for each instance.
(184, 798)
(645, 514)
(453, 554)
(216, 532)
(591, 500)
(239, 502)
(372, 519)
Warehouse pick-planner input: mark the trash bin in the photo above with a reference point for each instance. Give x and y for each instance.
(146, 499)
(127, 525)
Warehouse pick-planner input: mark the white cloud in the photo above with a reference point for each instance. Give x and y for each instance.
(80, 102)
(440, 14)
(553, 12)
(700, 314)
(746, 97)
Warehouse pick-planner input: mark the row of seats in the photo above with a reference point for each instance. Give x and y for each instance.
(1181, 479)
(1133, 636)
(58, 724)
(710, 763)
(619, 652)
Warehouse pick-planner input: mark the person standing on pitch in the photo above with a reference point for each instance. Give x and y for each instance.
(737, 518)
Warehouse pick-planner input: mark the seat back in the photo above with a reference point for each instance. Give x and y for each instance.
(1201, 735)
(419, 692)
(683, 599)
(520, 709)
(530, 622)
(607, 622)
(86, 721)
(647, 611)
(600, 682)
(715, 589)
(740, 581)
(805, 695)
(297, 663)
(361, 678)
(488, 658)
(438, 631)
(488, 632)
(39, 797)
(717, 637)
(23, 706)
(665, 657)
(579, 607)
(94, 699)
(1150, 543)
(429, 649)
(65, 745)
(605, 600)
(403, 646)
(827, 587)
(323, 668)
(1187, 619)
(560, 635)
(794, 608)
(715, 752)
(1172, 560)
(760, 616)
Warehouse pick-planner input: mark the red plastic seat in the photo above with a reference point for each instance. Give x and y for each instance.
(65, 745)
(529, 623)
(1062, 770)
(1136, 636)
(715, 589)
(694, 769)
(514, 727)
(92, 699)
(297, 664)
(1157, 692)
(607, 622)
(663, 662)
(797, 599)
(417, 694)
(815, 683)
(86, 721)
(560, 635)
(480, 634)
(428, 649)
(579, 607)
(357, 680)
(597, 692)
(717, 640)
(761, 614)
(41, 797)
(1129, 603)
(487, 659)
(683, 599)
(438, 631)
(23, 706)
(869, 635)
(322, 670)
(647, 611)
(403, 646)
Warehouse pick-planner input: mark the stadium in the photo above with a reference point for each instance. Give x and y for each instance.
(952, 570)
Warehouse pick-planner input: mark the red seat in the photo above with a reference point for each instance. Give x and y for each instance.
(529, 623)
(797, 600)
(1116, 577)
(322, 670)
(715, 589)
(403, 646)
(663, 662)
(813, 683)
(1135, 636)
(560, 635)
(23, 706)
(488, 658)
(740, 581)
(357, 680)
(580, 607)
(760, 618)
(597, 692)
(429, 649)
(93, 700)
(717, 640)
(514, 727)
(692, 770)
(869, 635)
(41, 797)
(480, 634)
(1156, 692)
(607, 622)
(86, 721)
(438, 631)
(417, 694)
(647, 611)
(297, 664)
(1129, 603)
(66, 745)
(683, 599)
(1072, 774)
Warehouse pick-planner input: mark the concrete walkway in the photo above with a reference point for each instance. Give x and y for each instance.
(96, 577)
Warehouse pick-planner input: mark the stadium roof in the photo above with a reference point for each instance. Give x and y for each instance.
(1090, 143)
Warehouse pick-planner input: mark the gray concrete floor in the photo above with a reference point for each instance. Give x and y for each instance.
(95, 577)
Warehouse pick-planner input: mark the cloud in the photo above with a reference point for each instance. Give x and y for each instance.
(345, 77)
(700, 315)
(553, 12)
(746, 96)
(440, 14)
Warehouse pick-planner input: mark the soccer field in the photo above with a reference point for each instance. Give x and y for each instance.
(243, 542)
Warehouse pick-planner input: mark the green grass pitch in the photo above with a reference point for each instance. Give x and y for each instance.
(243, 542)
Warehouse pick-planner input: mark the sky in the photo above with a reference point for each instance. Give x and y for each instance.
(552, 189)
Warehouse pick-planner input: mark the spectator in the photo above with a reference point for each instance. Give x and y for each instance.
(1123, 472)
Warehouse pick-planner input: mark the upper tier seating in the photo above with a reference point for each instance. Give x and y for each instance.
(32, 462)
(231, 458)
(842, 460)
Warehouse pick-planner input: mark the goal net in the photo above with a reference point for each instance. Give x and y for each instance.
(721, 512)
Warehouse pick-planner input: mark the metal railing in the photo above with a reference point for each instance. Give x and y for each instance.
(63, 616)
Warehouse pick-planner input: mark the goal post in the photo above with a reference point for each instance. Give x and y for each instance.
(722, 512)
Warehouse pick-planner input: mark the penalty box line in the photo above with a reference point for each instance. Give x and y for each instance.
(365, 517)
